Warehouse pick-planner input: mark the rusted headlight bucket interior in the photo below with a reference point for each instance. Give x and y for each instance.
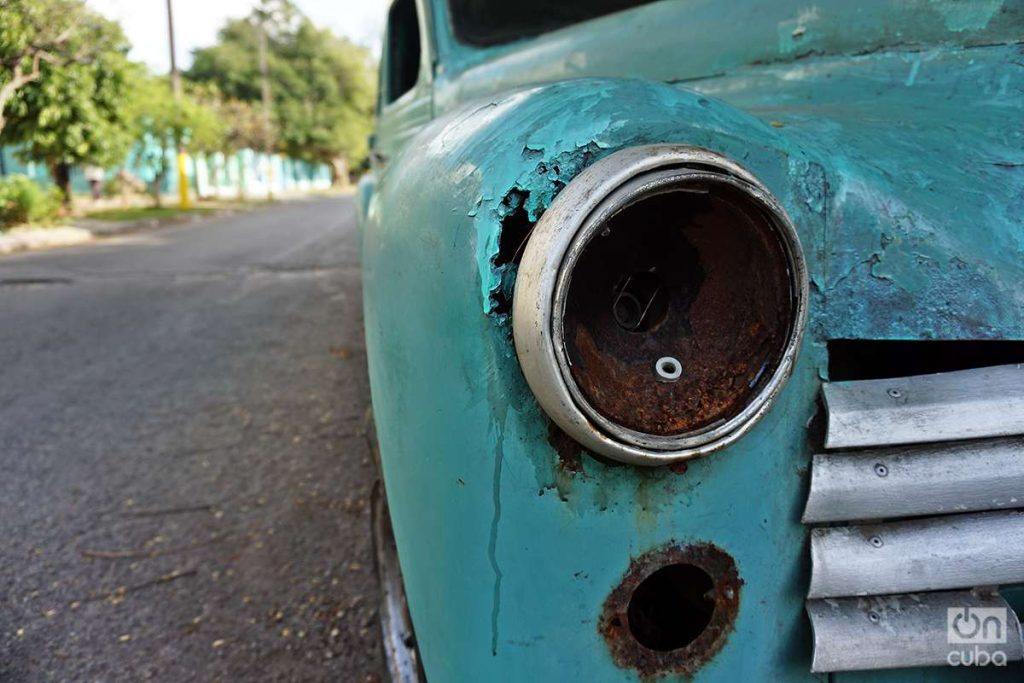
(659, 304)
(679, 307)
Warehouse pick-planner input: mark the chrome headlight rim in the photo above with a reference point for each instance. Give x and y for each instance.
(546, 269)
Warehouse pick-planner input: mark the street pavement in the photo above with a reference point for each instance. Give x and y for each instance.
(184, 477)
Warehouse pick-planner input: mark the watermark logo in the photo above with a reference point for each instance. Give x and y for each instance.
(976, 625)
(976, 630)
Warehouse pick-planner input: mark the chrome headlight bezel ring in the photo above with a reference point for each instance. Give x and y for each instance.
(546, 270)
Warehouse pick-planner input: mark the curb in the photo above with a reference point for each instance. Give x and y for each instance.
(42, 238)
(102, 228)
(32, 239)
(90, 229)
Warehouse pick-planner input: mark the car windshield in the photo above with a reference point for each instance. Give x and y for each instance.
(496, 22)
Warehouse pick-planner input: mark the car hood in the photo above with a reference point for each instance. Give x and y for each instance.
(922, 166)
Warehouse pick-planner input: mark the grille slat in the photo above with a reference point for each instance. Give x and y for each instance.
(881, 593)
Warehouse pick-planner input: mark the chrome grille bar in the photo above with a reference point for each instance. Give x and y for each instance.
(915, 481)
(939, 467)
(936, 553)
(896, 631)
(968, 404)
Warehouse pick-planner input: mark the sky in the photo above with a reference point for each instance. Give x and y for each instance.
(196, 23)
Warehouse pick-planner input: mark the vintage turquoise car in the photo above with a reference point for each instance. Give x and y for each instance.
(694, 335)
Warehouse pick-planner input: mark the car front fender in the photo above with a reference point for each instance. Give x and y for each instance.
(510, 539)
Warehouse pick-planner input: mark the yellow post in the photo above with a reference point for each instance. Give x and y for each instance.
(176, 89)
(270, 178)
(183, 181)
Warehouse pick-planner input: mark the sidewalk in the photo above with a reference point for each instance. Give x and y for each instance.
(85, 229)
(25, 239)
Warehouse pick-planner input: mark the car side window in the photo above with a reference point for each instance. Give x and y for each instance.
(402, 50)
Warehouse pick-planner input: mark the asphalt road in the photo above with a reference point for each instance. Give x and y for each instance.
(184, 478)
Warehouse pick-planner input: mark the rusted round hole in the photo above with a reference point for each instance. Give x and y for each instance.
(673, 610)
(699, 272)
(671, 607)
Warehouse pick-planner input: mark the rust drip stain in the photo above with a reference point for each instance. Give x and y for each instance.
(614, 622)
(679, 467)
(570, 453)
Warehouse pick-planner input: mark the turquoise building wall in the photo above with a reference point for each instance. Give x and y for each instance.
(243, 173)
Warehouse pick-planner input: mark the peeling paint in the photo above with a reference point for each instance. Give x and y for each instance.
(903, 170)
(529, 196)
(909, 189)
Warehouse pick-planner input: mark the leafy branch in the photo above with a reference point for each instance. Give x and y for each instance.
(38, 47)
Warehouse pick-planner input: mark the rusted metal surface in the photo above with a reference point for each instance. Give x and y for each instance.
(615, 625)
(712, 290)
(570, 453)
(679, 467)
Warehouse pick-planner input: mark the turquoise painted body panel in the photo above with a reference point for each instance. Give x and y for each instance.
(903, 171)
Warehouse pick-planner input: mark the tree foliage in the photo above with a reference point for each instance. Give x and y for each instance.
(33, 33)
(246, 129)
(70, 96)
(22, 200)
(159, 119)
(321, 85)
(72, 110)
(204, 124)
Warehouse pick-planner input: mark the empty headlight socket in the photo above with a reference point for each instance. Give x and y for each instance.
(659, 304)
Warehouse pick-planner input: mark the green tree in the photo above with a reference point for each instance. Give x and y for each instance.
(321, 85)
(329, 114)
(33, 33)
(204, 126)
(68, 106)
(246, 127)
(159, 119)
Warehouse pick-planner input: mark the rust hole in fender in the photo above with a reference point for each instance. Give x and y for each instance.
(515, 228)
(697, 276)
(673, 611)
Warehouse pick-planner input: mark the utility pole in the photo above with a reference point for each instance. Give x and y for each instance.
(263, 13)
(176, 90)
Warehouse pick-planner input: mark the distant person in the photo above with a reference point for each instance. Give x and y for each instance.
(94, 175)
